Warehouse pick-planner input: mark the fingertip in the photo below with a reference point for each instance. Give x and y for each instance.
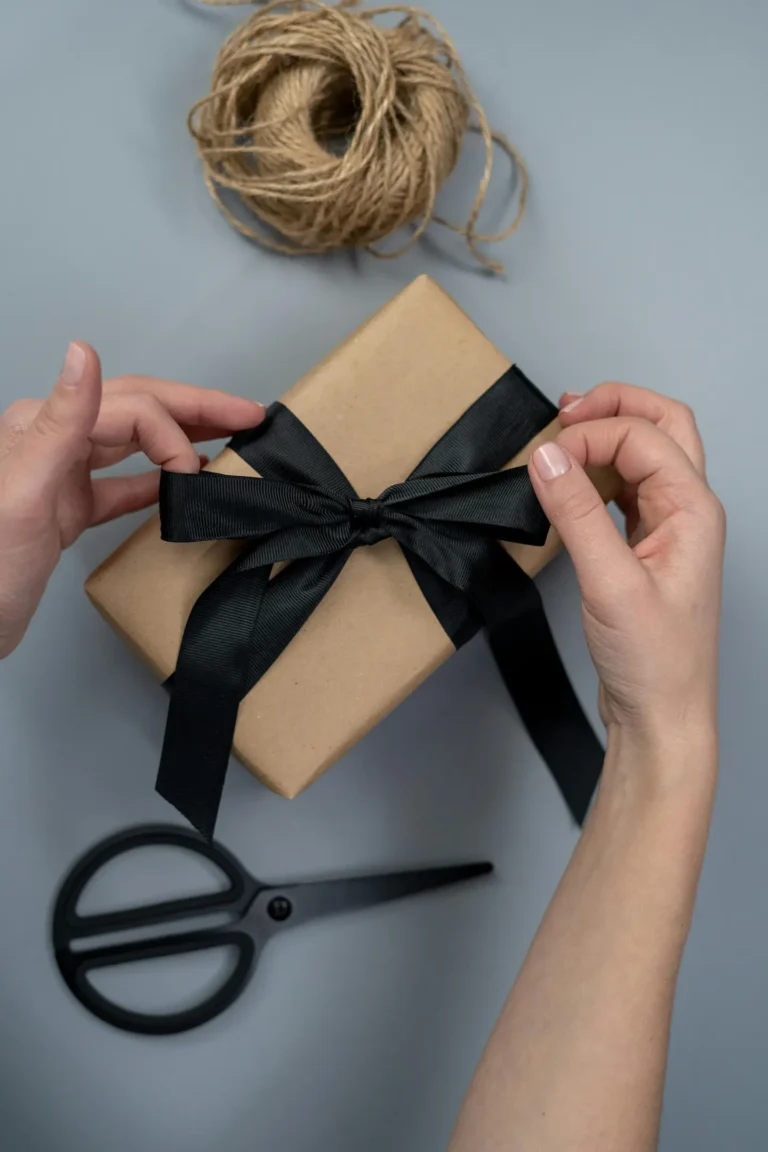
(550, 461)
(184, 457)
(189, 464)
(236, 413)
(573, 410)
(92, 356)
(58, 436)
(73, 368)
(81, 365)
(78, 388)
(258, 411)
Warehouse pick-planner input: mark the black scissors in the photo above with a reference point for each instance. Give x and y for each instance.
(256, 912)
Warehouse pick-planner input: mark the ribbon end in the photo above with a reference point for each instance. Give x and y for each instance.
(201, 819)
(195, 758)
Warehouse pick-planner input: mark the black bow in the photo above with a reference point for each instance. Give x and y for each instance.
(446, 520)
(447, 517)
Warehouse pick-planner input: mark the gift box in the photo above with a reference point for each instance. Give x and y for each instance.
(418, 374)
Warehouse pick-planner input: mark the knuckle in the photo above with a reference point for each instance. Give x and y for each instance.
(54, 423)
(579, 505)
(161, 437)
(19, 412)
(21, 501)
(117, 384)
(150, 419)
(15, 422)
(147, 404)
(127, 384)
(611, 392)
(615, 589)
(714, 512)
(685, 412)
(636, 587)
(48, 422)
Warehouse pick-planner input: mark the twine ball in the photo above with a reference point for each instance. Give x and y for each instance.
(335, 131)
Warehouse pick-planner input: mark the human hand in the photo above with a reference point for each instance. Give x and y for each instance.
(48, 450)
(651, 605)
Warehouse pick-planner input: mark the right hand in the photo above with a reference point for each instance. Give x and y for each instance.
(651, 604)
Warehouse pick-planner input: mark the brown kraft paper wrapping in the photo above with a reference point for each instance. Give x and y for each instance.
(377, 405)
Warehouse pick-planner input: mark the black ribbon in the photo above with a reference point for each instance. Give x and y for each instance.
(447, 517)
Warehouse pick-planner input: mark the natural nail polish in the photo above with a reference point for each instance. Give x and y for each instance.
(550, 461)
(74, 365)
(569, 407)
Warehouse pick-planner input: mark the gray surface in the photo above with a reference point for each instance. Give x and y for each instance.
(643, 257)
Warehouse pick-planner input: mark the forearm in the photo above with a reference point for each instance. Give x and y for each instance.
(578, 1056)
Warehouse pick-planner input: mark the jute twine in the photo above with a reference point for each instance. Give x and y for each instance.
(336, 131)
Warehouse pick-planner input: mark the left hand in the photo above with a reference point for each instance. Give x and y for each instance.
(49, 449)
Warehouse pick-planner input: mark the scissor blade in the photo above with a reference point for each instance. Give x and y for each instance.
(328, 897)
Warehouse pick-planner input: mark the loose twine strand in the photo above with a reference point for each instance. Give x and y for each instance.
(335, 131)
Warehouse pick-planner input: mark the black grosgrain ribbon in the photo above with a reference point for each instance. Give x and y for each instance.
(447, 517)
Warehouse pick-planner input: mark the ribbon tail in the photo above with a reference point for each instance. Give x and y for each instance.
(289, 601)
(236, 630)
(210, 680)
(452, 607)
(469, 581)
(530, 665)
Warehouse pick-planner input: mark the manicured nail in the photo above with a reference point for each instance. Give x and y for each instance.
(569, 407)
(74, 365)
(550, 461)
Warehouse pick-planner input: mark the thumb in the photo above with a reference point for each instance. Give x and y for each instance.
(575, 509)
(58, 436)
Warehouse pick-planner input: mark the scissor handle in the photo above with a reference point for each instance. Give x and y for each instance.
(68, 926)
(75, 966)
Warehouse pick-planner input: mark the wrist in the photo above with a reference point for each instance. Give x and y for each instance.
(664, 761)
(654, 807)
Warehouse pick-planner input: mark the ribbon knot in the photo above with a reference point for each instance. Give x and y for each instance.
(367, 519)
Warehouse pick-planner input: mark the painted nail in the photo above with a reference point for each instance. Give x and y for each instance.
(74, 365)
(550, 461)
(569, 407)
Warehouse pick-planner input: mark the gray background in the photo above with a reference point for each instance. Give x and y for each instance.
(643, 257)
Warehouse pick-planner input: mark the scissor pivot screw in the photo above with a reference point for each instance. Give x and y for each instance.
(279, 908)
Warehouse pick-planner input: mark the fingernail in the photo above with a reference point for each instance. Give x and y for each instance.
(550, 461)
(572, 404)
(74, 365)
(204, 460)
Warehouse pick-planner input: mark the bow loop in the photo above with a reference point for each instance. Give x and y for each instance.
(501, 505)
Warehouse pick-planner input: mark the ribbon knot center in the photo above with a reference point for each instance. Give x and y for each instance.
(367, 520)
